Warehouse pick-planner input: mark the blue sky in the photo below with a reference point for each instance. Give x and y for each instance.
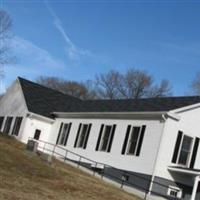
(78, 39)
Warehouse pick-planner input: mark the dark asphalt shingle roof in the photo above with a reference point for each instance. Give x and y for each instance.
(142, 105)
(43, 101)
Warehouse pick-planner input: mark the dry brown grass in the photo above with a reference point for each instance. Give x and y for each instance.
(24, 176)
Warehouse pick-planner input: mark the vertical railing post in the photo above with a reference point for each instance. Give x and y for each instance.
(53, 150)
(65, 156)
(102, 172)
(79, 162)
(122, 184)
(44, 146)
(95, 169)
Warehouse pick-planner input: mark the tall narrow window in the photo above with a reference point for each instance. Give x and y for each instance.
(185, 150)
(133, 140)
(1, 122)
(105, 139)
(83, 135)
(17, 125)
(64, 134)
(7, 125)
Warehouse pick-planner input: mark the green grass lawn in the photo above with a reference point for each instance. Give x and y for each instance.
(24, 176)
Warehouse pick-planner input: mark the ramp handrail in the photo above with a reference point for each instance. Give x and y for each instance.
(122, 180)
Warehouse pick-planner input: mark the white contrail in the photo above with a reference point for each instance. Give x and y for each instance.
(73, 51)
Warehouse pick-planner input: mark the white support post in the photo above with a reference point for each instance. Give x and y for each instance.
(194, 191)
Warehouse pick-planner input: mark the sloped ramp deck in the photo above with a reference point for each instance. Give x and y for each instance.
(129, 181)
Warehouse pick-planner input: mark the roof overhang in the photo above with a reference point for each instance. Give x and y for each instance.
(112, 115)
(183, 170)
(40, 117)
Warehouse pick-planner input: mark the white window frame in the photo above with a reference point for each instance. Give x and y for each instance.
(104, 131)
(191, 150)
(79, 137)
(129, 138)
(175, 189)
(61, 133)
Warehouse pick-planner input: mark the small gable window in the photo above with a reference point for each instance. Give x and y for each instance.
(37, 134)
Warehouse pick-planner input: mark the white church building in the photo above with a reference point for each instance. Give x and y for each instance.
(156, 138)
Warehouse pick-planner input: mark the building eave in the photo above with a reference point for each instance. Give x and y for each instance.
(186, 171)
(40, 117)
(186, 108)
(117, 115)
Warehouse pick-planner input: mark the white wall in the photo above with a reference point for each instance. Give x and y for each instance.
(31, 125)
(190, 125)
(13, 104)
(142, 164)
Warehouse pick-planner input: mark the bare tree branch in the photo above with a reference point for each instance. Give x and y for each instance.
(196, 84)
(134, 84)
(161, 90)
(107, 85)
(76, 89)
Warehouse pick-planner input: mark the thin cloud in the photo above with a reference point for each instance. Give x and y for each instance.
(37, 57)
(74, 52)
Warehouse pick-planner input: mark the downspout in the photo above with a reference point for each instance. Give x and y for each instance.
(157, 155)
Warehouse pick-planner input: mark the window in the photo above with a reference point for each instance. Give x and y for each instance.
(7, 125)
(17, 125)
(185, 150)
(174, 192)
(105, 138)
(1, 122)
(82, 135)
(63, 134)
(133, 140)
(37, 134)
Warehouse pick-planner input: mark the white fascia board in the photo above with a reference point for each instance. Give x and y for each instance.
(22, 93)
(174, 116)
(110, 114)
(186, 108)
(40, 117)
